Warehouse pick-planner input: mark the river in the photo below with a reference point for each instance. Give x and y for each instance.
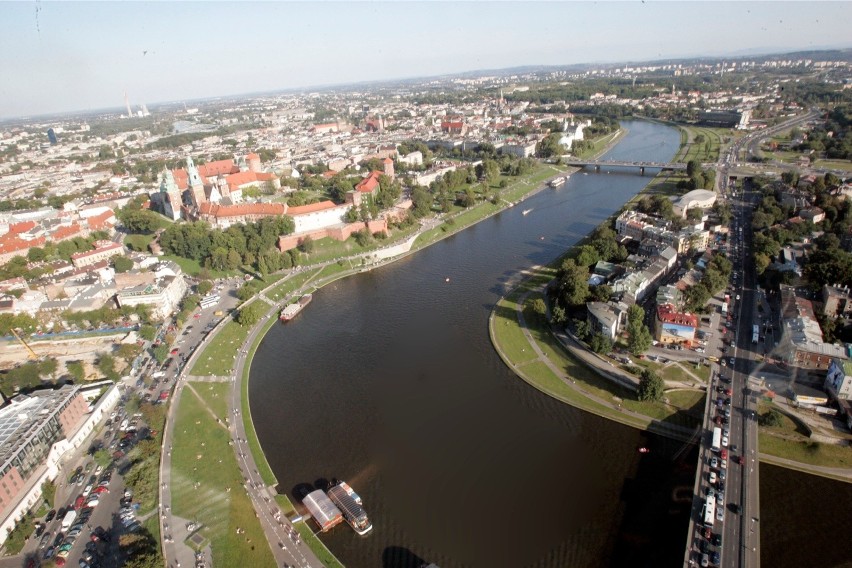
(389, 381)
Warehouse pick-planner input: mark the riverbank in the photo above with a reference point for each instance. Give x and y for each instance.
(216, 362)
(560, 367)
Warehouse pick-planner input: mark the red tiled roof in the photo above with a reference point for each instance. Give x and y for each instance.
(666, 313)
(252, 156)
(242, 178)
(105, 219)
(370, 183)
(181, 178)
(217, 168)
(66, 232)
(22, 227)
(311, 208)
(11, 243)
(243, 209)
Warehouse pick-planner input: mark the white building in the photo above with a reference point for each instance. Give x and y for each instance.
(163, 296)
(317, 216)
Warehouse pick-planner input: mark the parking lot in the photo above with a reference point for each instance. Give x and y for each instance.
(94, 506)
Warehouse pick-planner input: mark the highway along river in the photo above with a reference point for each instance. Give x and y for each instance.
(389, 381)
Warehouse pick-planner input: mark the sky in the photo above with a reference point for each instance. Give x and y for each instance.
(72, 56)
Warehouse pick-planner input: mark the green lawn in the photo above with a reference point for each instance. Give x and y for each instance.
(685, 398)
(219, 356)
(207, 487)
(138, 242)
(676, 372)
(845, 165)
(192, 267)
(216, 395)
(826, 455)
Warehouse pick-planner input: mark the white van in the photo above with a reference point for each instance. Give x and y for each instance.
(68, 519)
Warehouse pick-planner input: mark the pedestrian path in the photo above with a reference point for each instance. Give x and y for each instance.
(209, 378)
(633, 418)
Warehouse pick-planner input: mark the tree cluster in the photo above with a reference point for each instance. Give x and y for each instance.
(252, 244)
(638, 335)
(713, 281)
(651, 386)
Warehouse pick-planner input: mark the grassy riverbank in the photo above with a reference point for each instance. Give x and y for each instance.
(218, 357)
(566, 378)
(207, 485)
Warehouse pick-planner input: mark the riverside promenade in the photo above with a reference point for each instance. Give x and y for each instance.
(174, 530)
(287, 549)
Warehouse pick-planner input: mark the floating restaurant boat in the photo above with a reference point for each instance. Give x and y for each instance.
(322, 509)
(349, 503)
(289, 312)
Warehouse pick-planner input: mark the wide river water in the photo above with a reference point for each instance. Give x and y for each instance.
(389, 381)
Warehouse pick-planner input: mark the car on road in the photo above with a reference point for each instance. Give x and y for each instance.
(720, 514)
(705, 561)
(50, 515)
(717, 539)
(715, 558)
(712, 477)
(722, 475)
(724, 442)
(714, 462)
(45, 539)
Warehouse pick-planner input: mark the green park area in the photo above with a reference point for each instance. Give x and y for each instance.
(788, 438)
(219, 356)
(570, 380)
(516, 189)
(206, 482)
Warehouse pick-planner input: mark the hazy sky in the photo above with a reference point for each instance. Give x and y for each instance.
(65, 56)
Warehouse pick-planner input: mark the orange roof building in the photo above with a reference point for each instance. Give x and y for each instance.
(369, 184)
(672, 326)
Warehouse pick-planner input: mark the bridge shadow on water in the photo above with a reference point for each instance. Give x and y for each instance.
(400, 557)
(657, 501)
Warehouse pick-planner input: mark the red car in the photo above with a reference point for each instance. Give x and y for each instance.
(724, 454)
(79, 502)
(101, 489)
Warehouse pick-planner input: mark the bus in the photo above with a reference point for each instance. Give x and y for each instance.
(208, 301)
(755, 333)
(709, 511)
(717, 440)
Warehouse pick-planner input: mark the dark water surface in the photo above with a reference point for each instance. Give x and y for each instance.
(389, 381)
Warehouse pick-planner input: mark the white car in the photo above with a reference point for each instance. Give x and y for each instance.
(720, 514)
(724, 441)
(712, 477)
(714, 462)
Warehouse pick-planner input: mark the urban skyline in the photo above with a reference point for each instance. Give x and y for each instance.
(66, 57)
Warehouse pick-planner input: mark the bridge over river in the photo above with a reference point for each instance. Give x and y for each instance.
(598, 164)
